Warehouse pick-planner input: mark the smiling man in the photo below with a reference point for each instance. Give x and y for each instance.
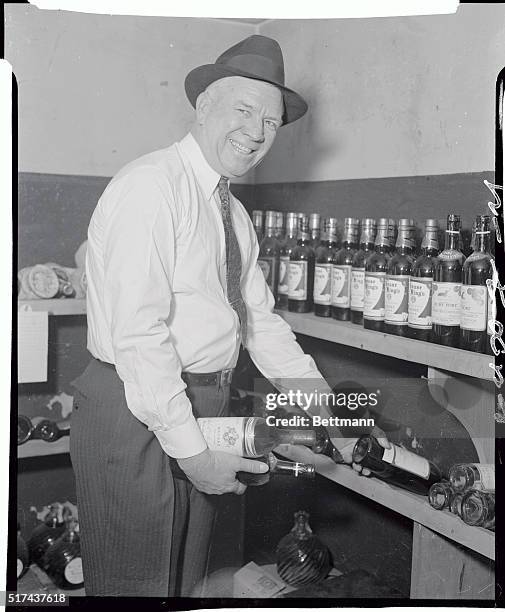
(173, 289)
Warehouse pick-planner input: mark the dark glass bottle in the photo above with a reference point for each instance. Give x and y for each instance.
(447, 277)
(341, 271)
(396, 299)
(257, 219)
(376, 266)
(367, 240)
(322, 272)
(420, 287)
(474, 294)
(63, 561)
(396, 465)
(45, 535)
(301, 271)
(268, 257)
(277, 467)
(47, 430)
(315, 230)
(289, 243)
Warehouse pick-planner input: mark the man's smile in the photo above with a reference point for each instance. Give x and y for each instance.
(240, 148)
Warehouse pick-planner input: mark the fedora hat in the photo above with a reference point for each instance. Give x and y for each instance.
(256, 57)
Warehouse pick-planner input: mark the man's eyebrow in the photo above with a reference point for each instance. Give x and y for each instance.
(249, 106)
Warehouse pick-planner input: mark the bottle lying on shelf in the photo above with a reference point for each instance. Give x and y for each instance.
(40, 428)
(45, 535)
(396, 465)
(455, 505)
(440, 495)
(277, 467)
(63, 562)
(478, 508)
(463, 476)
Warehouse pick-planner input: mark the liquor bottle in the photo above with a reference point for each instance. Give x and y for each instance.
(420, 286)
(376, 266)
(47, 430)
(463, 476)
(257, 219)
(440, 495)
(23, 558)
(66, 289)
(367, 240)
(478, 508)
(289, 243)
(277, 467)
(341, 271)
(250, 436)
(45, 535)
(315, 229)
(396, 299)
(24, 429)
(322, 271)
(447, 277)
(301, 270)
(268, 257)
(396, 465)
(63, 562)
(474, 294)
(279, 233)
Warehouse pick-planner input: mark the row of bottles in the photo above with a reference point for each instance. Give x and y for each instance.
(437, 296)
(39, 428)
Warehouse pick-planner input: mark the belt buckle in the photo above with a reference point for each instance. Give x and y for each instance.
(225, 378)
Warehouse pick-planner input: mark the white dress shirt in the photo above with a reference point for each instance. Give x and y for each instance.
(156, 296)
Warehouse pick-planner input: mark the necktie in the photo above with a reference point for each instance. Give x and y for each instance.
(233, 260)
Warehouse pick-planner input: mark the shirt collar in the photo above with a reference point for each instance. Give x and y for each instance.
(206, 176)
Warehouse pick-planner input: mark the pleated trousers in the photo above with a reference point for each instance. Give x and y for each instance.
(144, 532)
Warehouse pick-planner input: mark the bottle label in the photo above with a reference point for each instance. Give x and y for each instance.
(487, 476)
(267, 265)
(73, 571)
(407, 461)
(357, 289)
(283, 274)
(322, 284)
(473, 307)
(374, 296)
(446, 304)
(396, 302)
(20, 567)
(341, 286)
(420, 302)
(297, 280)
(224, 434)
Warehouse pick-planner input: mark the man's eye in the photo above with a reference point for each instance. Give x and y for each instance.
(271, 124)
(243, 111)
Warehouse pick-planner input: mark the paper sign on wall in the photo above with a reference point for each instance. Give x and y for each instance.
(32, 346)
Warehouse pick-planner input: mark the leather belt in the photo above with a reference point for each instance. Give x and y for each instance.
(218, 379)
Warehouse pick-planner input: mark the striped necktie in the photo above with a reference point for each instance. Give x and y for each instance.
(233, 259)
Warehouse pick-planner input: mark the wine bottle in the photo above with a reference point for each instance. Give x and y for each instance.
(23, 558)
(396, 465)
(341, 271)
(315, 230)
(463, 476)
(268, 258)
(478, 508)
(290, 242)
(376, 266)
(279, 232)
(63, 562)
(277, 466)
(301, 271)
(420, 286)
(45, 535)
(440, 495)
(47, 430)
(396, 300)
(474, 294)
(367, 240)
(447, 277)
(250, 436)
(24, 429)
(322, 271)
(257, 219)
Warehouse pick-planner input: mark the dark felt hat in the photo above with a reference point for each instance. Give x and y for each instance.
(256, 57)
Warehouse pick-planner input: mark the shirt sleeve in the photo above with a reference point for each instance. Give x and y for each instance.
(139, 256)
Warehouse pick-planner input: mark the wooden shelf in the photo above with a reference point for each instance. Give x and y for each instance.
(426, 353)
(39, 448)
(415, 507)
(69, 306)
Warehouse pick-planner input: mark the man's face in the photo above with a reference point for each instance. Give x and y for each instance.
(238, 119)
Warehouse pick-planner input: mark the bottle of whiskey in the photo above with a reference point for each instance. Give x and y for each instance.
(478, 508)
(250, 436)
(268, 258)
(376, 266)
(315, 230)
(322, 272)
(367, 240)
(287, 246)
(396, 465)
(440, 495)
(257, 219)
(341, 271)
(474, 294)
(301, 270)
(447, 277)
(277, 467)
(463, 476)
(49, 431)
(63, 562)
(420, 286)
(396, 301)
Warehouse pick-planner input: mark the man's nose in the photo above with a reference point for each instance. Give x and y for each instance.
(254, 129)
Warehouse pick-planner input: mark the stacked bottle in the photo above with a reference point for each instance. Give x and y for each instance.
(289, 243)
(301, 270)
(341, 268)
(366, 245)
(268, 258)
(323, 269)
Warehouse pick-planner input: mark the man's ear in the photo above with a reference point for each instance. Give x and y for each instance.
(202, 106)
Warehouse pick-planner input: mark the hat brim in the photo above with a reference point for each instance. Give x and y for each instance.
(200, 78)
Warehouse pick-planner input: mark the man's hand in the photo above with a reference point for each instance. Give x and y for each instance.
(346, 445)
(215, 472)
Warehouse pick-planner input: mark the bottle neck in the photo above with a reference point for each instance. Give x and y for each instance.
(405, 243)
(382, 242)
(350, 238)
(482, 241)
(429, 245)
(291, 468)
(270, 232)
(452, 240)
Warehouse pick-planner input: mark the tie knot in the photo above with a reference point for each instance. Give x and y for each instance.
(223, 182)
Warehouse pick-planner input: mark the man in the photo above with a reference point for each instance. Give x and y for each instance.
(173, 288)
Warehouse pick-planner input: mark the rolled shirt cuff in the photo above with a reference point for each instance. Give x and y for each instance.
(183, 441)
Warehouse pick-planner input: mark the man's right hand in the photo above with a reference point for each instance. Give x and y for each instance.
(215, 472)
